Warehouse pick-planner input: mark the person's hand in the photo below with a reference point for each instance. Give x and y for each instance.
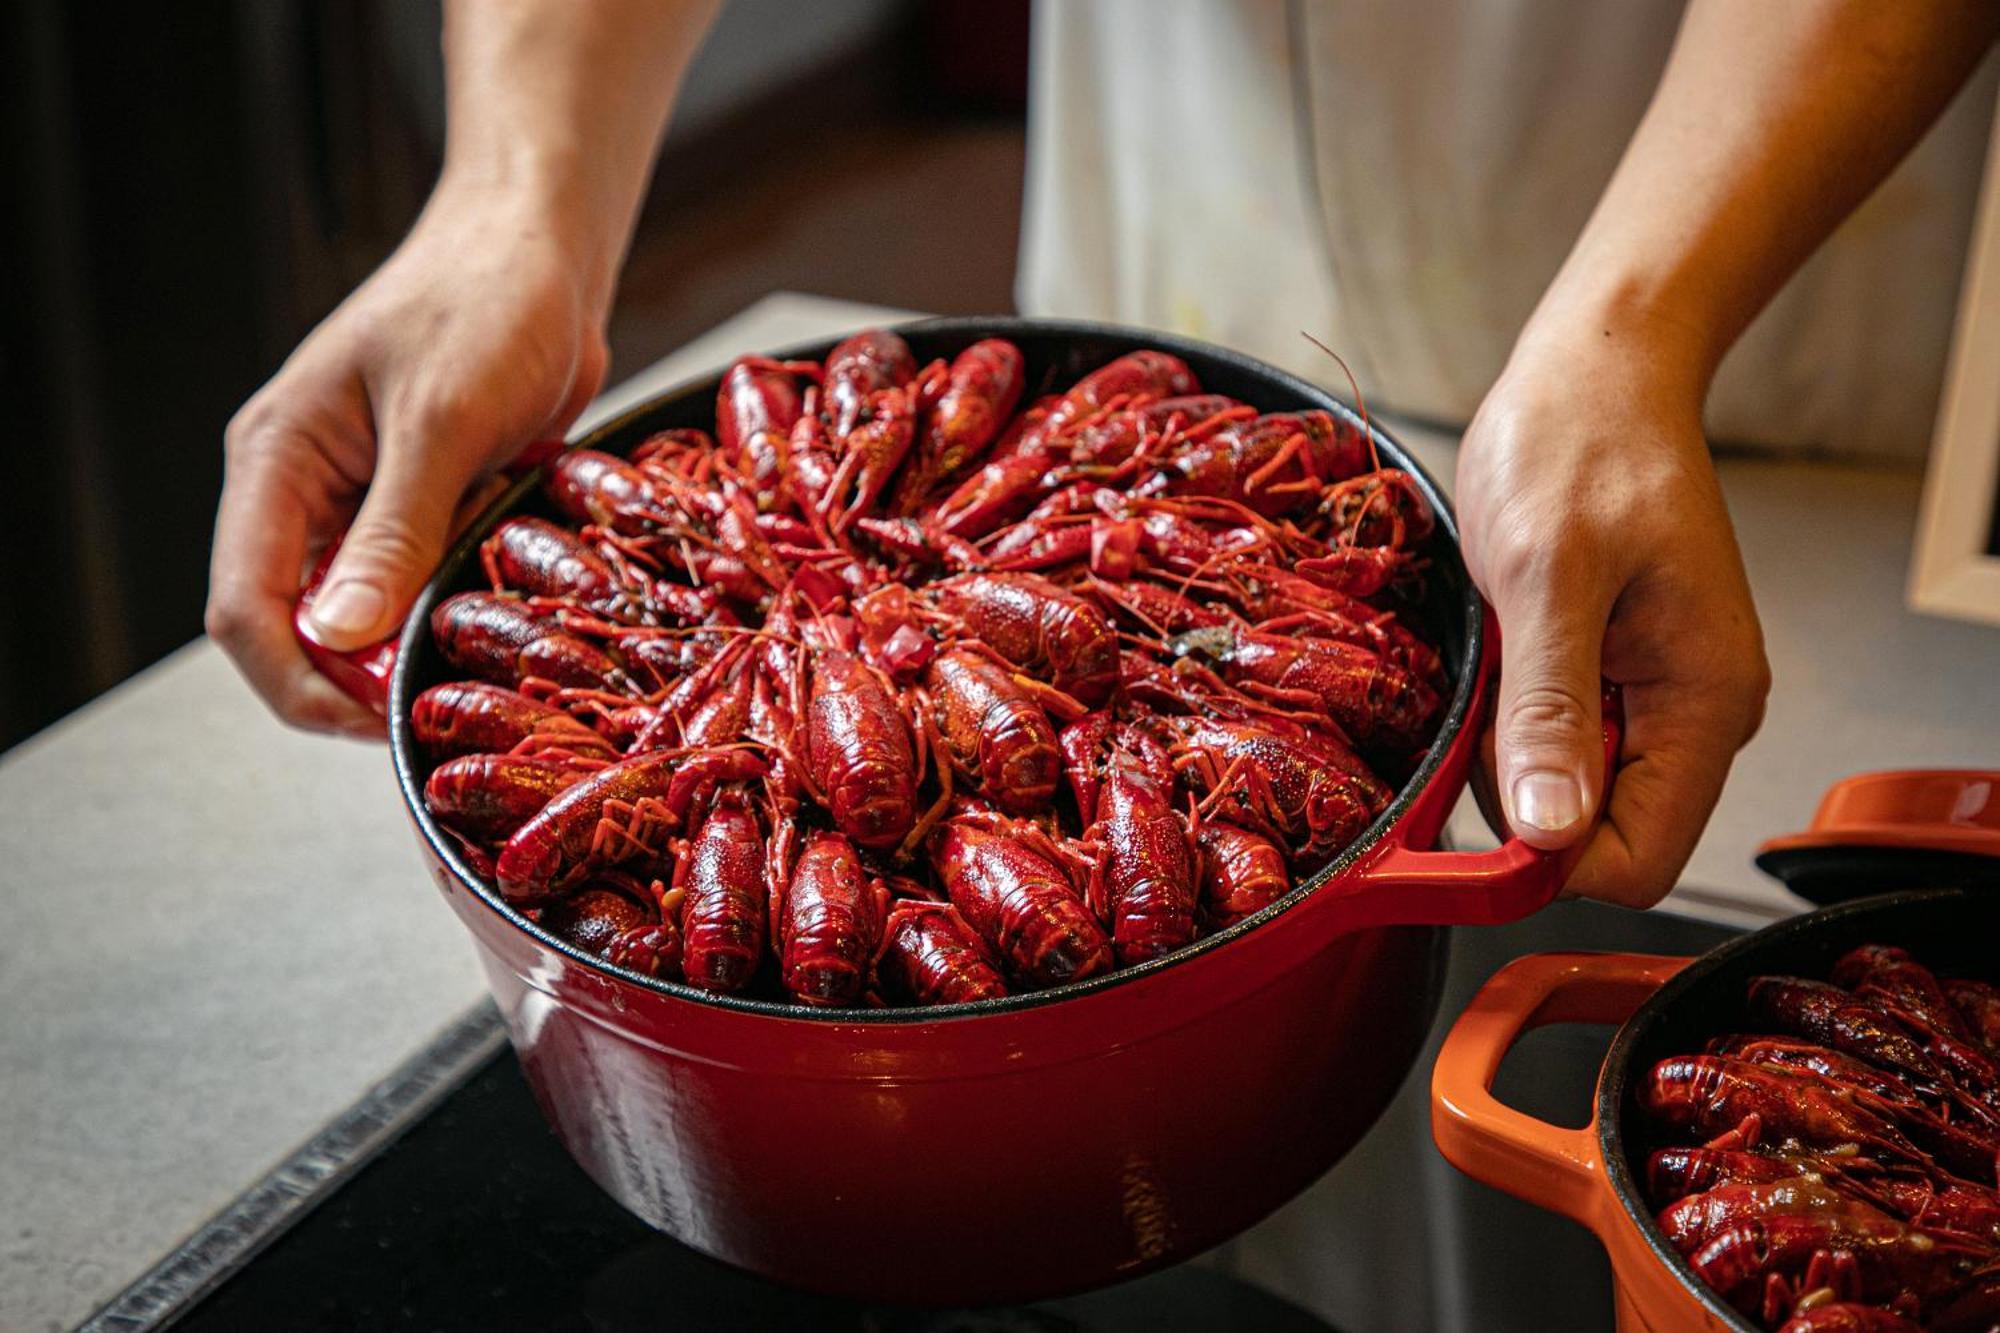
(1593, 523)
(482, 333)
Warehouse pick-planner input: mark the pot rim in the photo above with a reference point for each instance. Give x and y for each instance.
(409, 779)
(1616, 1073)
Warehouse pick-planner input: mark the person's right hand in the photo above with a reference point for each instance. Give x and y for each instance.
(481, 334)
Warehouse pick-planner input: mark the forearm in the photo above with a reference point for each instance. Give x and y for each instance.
(557, 107)
(1771, 123)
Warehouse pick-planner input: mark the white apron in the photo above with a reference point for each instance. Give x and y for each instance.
(1403, 179)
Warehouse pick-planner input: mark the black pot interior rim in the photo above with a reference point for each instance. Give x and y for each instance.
(402, 687)
(1618, 1072)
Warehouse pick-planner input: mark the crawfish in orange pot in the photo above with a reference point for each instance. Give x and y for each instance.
(1720, 1095)
(1859, 1252)
(1979, 1005)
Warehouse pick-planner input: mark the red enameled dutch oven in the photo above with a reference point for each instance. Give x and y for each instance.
(1018, 1148)
(1672, 1006)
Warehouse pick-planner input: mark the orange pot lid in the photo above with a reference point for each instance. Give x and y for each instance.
(1934, 810)
(1874, 831)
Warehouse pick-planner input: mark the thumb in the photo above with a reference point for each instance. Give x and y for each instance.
(1548, 746)
(396, 540)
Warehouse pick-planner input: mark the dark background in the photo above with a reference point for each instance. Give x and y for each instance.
(191, 187)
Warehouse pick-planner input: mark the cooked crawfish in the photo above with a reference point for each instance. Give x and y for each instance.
(616, 816)
(1305, 791)
(1146, 884)
(896, 690)
(1037, 626)
(723, 918)
(979, 391)
(1016, 889)
(1365, 695)
(1241, 873)
(858, 751)
(1979, 1005)
(486, 797)
(602, 913)
(994, 728)
(931, 956)
(755, 409)
(500, 639)
(860, 367)
(1848, 1178)
(830, 922)
(475, 717)
(1847, 1317)
(1276, 464)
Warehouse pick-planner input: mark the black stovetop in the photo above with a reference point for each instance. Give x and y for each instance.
(477, 1219)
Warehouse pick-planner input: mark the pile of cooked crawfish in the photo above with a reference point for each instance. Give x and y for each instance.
(888, 694)
(1844, 1180)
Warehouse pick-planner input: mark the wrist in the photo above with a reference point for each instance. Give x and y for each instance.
(1615, 322)
(534, 200)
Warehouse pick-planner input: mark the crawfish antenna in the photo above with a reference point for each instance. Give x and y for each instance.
(1359, 405)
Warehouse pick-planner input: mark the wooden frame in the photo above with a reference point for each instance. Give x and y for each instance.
(1955, 570)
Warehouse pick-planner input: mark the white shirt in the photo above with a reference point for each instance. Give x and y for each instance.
(1403, 179)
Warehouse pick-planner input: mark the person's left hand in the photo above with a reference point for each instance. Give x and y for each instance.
(1593, 522)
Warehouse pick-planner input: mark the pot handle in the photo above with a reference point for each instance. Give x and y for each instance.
(363, 673)
(1402, 885)
(1549, 1166)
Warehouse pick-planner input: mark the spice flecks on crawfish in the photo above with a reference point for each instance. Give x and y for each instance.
(908, 686)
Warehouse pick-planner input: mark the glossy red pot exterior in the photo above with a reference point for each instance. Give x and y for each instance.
(1018, 1148)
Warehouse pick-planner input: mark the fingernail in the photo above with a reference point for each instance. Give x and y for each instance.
(1548, 801)
(349, 607)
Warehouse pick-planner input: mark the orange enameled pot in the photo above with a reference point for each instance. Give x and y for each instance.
(1015, 1148)
(1668, 1006)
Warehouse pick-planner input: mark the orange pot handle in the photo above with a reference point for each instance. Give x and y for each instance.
(1551, 1167)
